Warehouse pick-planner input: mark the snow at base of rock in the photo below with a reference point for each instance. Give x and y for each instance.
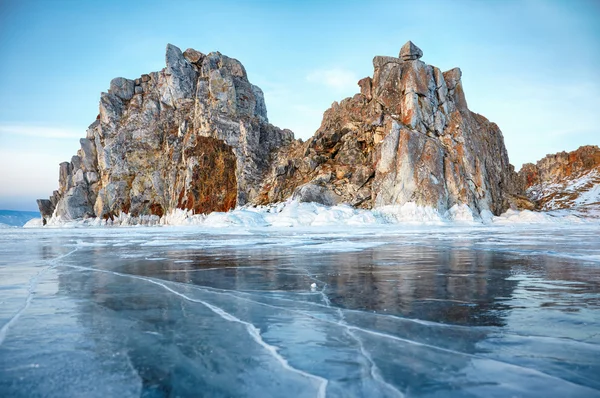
(535, 217)
(296, 214)
(33, 223)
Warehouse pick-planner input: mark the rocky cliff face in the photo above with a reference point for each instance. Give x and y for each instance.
(193, 136)
(564, 180)
(408, 136)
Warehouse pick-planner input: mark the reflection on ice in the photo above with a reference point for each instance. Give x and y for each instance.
(391, 312)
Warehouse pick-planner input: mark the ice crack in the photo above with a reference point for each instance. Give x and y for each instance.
(33, 282)
(324, 382)
(509, 365)
(253, 331)
(373, 369)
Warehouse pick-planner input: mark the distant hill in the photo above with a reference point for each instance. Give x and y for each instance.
(565, 180)
(15, 218)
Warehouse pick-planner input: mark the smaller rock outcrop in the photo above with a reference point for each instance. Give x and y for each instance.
(408, 136)
(565, 180)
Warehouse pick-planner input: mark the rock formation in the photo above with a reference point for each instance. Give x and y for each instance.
(193, 136)
(408, 136)
(196, 136)
(564, 180)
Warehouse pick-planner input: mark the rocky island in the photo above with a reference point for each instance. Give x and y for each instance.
(196, 136)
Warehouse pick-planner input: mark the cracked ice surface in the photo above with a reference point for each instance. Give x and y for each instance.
(367, 311)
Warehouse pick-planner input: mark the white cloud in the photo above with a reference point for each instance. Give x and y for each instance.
(336, 78)
(40, 131)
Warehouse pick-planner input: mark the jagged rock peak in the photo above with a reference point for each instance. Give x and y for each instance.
(194, 135)
(193, 56)
(410, 52)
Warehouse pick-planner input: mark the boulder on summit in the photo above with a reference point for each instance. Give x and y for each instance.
(410, 52)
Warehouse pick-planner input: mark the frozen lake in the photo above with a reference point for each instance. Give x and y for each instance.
(372, 311)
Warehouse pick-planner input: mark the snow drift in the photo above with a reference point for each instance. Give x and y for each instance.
(299, 214)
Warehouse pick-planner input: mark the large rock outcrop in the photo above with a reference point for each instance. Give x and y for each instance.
(408, 136)
(193, 136)
(196, 136)
(564, 180)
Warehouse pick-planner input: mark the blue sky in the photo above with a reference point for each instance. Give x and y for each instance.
(533, 67)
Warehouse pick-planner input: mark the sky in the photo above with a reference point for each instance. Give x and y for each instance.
(533, 67)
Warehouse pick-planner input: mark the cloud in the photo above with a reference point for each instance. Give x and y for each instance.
(336, 78)
(40, 131)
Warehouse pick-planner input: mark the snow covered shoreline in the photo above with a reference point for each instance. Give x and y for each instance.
(295, 214)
